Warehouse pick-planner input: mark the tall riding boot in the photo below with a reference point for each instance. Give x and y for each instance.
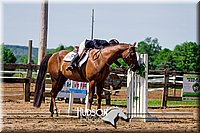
(75, 59)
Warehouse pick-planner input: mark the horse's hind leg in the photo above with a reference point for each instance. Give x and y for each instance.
(56, 87)
(53, 96)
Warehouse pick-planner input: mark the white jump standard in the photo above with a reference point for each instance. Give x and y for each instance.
(137, 97)
(73, 89)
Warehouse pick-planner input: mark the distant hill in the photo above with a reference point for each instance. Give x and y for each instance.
(19, 51)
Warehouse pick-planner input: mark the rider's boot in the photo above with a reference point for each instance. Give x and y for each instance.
(75, 59)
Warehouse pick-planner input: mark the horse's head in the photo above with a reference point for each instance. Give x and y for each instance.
(130, 57)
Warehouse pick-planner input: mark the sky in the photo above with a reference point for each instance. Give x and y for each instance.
(70, 22)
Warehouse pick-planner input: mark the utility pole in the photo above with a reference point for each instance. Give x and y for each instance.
(43, 30)
(92, 33)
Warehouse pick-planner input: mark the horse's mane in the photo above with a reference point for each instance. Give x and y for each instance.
(117, 44)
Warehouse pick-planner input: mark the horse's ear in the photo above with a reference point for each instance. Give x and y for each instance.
(134, 44)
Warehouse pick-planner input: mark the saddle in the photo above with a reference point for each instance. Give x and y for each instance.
(68, 57)
(96, 44)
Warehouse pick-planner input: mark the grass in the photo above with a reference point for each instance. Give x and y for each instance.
(157, 103)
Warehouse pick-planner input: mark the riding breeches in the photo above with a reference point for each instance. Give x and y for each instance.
(81, 48)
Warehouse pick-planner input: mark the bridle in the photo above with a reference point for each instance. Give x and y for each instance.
(129, 56)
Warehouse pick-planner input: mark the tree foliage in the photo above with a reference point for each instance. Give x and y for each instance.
(152, 48)
(24, 60)
(164, 60)
(7, 55)
(61, 47)
(121, 61)
(186, 57)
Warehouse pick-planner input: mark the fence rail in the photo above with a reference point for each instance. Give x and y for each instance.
(156, 79)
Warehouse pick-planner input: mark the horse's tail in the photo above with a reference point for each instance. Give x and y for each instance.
(40, 84)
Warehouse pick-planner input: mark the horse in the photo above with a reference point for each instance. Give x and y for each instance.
(94, 70)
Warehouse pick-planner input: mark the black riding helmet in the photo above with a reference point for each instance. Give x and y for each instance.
(113, 41)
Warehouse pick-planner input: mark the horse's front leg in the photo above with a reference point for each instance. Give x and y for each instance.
(91, 93)
(99, 97)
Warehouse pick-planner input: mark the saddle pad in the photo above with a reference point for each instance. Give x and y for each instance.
(69, 56)
(84, 58)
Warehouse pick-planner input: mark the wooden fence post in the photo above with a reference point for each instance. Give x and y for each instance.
(29, 74)
(43, 31)
(165, 91)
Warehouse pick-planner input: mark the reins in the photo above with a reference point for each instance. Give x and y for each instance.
(128, 56)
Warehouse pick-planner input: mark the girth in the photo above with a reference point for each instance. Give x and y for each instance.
(79, 68)
(81, 74)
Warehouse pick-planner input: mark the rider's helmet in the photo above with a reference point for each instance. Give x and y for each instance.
(76, 48)
(113, 41)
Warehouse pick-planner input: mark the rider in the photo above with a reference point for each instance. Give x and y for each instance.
(96, 43)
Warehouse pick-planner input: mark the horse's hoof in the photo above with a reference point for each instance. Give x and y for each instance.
(51, 115)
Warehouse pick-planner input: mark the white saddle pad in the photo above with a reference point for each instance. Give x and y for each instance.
(84, 59)
(71, 55)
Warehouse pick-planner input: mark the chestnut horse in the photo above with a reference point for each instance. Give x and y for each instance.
(94, 70)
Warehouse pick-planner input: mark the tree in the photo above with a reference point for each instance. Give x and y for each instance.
(186, 57)
(151, 47)
(24, 59)
(121, 61)
(8, 56)
(164, 59)
(61, 47)
(70, 48)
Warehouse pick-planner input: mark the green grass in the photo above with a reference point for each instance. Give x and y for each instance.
(154, 103)
(182, 103)
(157, 103)
(191, 94)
